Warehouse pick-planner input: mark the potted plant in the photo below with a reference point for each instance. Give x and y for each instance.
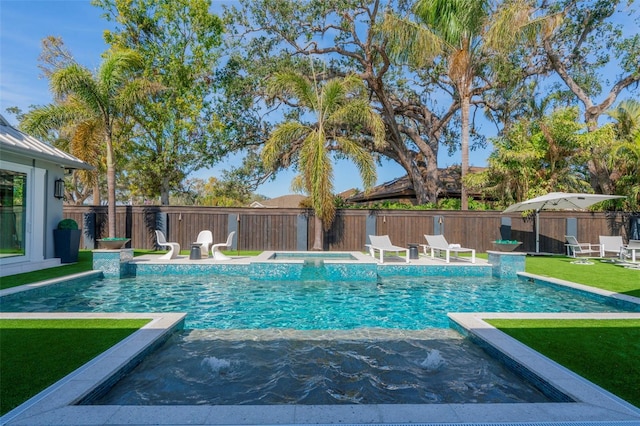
(66, 239)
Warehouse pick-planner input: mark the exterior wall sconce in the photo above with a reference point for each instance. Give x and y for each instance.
(58, 188)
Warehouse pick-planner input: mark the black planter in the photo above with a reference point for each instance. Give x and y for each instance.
(67, 244)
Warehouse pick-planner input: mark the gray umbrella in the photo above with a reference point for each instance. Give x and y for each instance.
(558, 201)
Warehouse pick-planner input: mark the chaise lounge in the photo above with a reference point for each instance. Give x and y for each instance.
(382, 243)
(438, 244)
(576, 249)
(611, 245)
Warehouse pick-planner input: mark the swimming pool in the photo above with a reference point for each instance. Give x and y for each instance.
(231, 302)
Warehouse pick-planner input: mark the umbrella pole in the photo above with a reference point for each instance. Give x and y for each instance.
(537, 231)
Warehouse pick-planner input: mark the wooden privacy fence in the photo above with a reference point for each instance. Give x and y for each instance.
(293, 229)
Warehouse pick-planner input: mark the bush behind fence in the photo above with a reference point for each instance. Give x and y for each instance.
(293, 229)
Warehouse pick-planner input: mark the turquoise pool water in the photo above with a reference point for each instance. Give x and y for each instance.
(224, 302)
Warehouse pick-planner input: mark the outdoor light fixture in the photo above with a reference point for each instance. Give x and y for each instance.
(58, 188)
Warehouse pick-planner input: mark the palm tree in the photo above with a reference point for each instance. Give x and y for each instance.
(625, 158)
(83, 139)
(460, 34)
(102, 99)
(341, 110)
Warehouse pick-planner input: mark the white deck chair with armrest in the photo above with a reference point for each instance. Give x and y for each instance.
(631, 251)
(437, 243)
(382, 243)
(215, 249)
(206, 239)
(576, 249)
(174, 248)
(611, 245)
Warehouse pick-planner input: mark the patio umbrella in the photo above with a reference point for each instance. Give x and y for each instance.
(558, 201)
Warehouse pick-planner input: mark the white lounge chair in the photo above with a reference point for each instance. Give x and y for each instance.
(215, 249)
(611, 245)
(437, 244)
(382, 243)
(174, 248)
(631, 251)
(206, 239)
(576, 249)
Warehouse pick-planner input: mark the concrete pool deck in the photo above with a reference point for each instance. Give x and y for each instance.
(55, 405)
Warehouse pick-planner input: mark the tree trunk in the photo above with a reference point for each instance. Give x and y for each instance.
(111, 188)
(318, 234)
(164, 191)
(464, 148)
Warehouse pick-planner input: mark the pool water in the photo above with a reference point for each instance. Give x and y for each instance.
(224, 302)
(311, 341)
(268, 367)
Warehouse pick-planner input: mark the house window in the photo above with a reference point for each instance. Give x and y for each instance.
(13, 213)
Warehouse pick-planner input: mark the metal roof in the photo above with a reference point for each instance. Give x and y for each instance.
(14, 141)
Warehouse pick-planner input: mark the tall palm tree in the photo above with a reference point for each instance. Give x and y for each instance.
(103, 98)
(460, 34)
(341, 111)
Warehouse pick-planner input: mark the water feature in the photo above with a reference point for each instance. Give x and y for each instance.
(267, 367)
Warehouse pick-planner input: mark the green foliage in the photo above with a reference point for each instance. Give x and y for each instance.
(537, 156)
(36, 353)
(67, 224)
(175, 132)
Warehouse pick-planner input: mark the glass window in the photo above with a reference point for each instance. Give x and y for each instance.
(13, 212)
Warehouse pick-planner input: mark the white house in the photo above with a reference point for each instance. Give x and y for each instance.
(30, 206)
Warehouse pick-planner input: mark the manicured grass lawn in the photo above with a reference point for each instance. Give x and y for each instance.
(606, 352)
(85, 263)
(603, 275)
(37, 353)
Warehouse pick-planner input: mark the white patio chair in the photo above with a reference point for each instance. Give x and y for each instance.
(576, 249)
(206, 239)
(631, 251)
(174, 248)
(215, 249)
(437, 244)
(382, 243)
(611, 245)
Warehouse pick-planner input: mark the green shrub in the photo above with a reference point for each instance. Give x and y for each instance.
(67, 224)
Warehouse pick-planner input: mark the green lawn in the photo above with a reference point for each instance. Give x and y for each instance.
(606, 352)
(603, 275)
(37, 353)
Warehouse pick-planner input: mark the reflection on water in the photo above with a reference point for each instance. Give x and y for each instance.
(363, 366)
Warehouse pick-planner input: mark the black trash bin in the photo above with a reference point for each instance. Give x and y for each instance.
(195, 251)
(413, 251)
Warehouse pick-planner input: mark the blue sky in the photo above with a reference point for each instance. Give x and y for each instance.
(24, 23)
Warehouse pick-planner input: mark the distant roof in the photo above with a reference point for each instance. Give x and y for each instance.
(285, 201)
(14, 141)
(403, 187)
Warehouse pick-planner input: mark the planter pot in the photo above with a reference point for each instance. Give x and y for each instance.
(506, 246)
(113, 244)
(67, 244)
